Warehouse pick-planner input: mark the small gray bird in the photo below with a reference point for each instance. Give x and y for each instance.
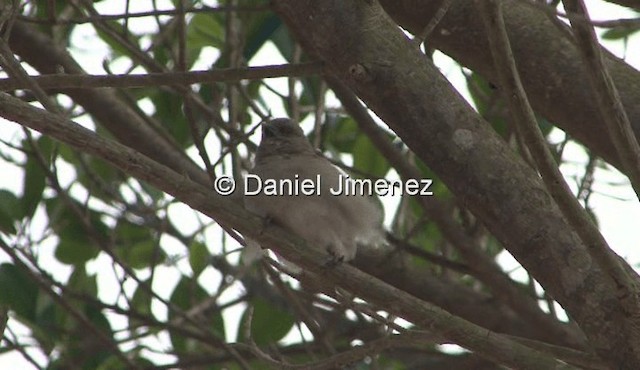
(335, 223)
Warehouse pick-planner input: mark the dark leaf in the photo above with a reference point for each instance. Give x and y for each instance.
(34, 183)
(9, 211)
(136, 245)
(198, 257)
(75, 246)
(187, 294)
(18, 291)
(269, 323)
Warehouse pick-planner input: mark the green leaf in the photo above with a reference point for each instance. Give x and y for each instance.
(260, 31)
(46, 8)
(141, 304)
(438, 187)
(187, 294)
(90, 169)
(169, 112)
(618, 33)
(198, 257)
(487, 103)
(269, 323)
(152, 192)
(116, 46)
(18, 291)
(141, 254)
(205, 30)
(341, 136)
(74, 247)
(80, 282)
(98, 319)
(310, 91)
(136, 245)
(50, 318)
(83, 346)
(368, 159)
(33, 186)
(344, 136)
(46, 146)
(9, 211)
(103, 170)
(284, 42)
(35, 175)
(492, 246)
(544, 125)
(128, 232)
(428, 237)
(115, 363)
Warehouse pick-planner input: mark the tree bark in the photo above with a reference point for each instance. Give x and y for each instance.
(364, 48)
(548, 61)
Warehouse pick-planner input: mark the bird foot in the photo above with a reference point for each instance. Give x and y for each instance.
(334, 258)
(266, 222)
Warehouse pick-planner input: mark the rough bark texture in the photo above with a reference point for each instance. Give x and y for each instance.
(548, 61)
(364, 48)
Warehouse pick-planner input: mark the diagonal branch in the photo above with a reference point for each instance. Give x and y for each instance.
(104, 105)
(484, 342)
(607, 96)
(548, 61)
(527, 125)
(484, 269)
(377, 61)
(82, 81)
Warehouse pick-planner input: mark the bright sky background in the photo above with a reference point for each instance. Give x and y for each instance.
(615, 205)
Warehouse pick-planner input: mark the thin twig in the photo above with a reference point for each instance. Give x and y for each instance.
(433, 23)
(76, 314)
(17, 73)
(607, 96)
(65, 81)
(155, 13)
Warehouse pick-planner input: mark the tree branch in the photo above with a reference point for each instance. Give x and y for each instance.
(527, 125)
(484, 342)
(483, 268)
(548, 61)
(376, 60)
(83, 81)
(608, 101)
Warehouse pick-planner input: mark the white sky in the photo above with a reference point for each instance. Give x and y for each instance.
(618, 218)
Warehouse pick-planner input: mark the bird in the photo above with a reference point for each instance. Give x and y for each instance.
(336, 224)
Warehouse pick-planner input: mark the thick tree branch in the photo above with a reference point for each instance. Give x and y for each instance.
(403, 88)
(527, 125)
(484, 268)
(548, 61)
